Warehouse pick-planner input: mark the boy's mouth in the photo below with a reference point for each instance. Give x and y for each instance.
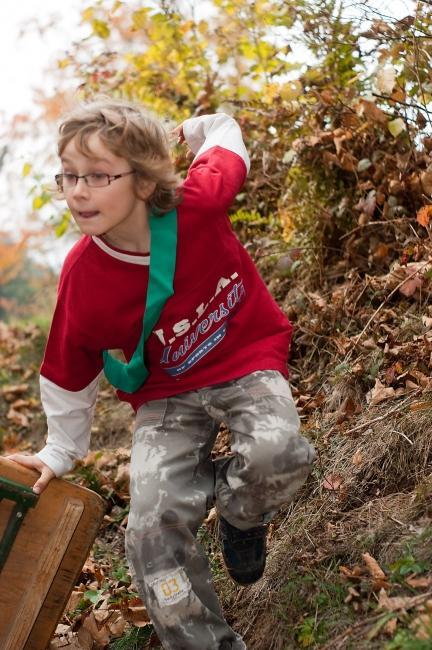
(88, 214)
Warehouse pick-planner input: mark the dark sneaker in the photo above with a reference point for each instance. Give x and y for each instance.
(244, 551)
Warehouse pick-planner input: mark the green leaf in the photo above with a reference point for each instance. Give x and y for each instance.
(94, 595)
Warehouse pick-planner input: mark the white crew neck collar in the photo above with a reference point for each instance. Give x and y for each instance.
(141, 260)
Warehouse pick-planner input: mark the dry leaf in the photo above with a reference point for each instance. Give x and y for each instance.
(422, 626)
(116, 626)
(22, 403)
(11, 391)
(85, 639)
(424, 215)
(68, 640)
(390, 626)
(123, 475)
(410, 286)
(106, 459)
(392, 604)
(419, 582)
(137, 615)
(420, 406)
(381, 252)
(317, 300)
(373, 567)
(369, 344)
(20, 419)
(426, 181)
(62, 630)
(357, 459)
(73, 601)
(212, 515)
(332, 482)
(386, 79)
(379, 393)
(101, 636)
(371, 112)
(101, 615)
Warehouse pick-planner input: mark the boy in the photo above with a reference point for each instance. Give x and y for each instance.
(204, 342)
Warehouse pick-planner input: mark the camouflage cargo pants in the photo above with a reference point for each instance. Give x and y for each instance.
(174, 482)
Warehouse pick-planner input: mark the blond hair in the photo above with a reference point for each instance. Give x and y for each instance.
(130, 132)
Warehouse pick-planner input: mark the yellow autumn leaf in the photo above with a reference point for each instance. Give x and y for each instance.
(87, 14)
(26, 169)
(40, 201)
(396, 126)
(101, 28)
(37, 203)
(63, 63)
(117, 4)
(139, 18)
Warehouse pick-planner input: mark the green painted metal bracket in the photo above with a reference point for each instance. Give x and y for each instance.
(25, 499)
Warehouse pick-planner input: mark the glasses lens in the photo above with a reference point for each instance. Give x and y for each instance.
(97, 180)
(66, 181)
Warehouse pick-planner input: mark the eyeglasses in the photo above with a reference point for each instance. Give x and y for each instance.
(67, 181)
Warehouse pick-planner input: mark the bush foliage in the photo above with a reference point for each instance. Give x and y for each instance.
(333, 98)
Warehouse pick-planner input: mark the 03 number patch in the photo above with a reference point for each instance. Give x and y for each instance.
(171, 588)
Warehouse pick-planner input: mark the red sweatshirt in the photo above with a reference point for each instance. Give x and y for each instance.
(220, 324)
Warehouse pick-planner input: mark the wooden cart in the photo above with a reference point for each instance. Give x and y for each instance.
(44, 542)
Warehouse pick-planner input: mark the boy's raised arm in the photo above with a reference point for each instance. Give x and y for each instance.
(221, 162)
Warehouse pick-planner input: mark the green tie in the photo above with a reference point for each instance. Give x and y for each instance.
(128, 377)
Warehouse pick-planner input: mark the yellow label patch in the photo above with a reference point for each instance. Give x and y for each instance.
(171, 588)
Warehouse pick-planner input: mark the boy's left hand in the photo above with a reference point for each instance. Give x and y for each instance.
(33, 462)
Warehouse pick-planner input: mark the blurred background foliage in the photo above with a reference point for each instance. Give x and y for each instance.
(334, 99)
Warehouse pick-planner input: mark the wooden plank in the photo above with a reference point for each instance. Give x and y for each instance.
(47, 568)
(46, 559)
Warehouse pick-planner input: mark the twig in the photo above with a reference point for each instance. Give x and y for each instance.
(401, 523)
(334, 643)
(374, 223)
(398, 407)
(416, 65)
(402, 103)
(403, 436)
(385, 301)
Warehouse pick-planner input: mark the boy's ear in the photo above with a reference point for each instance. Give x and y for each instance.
(145, 188)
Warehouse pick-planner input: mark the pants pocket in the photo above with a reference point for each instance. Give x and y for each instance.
(266, 383)
(151, 414)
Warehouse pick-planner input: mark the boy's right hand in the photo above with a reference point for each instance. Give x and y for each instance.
(177, 134)
(33, 462)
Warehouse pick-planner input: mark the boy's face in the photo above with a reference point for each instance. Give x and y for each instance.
(114, 210)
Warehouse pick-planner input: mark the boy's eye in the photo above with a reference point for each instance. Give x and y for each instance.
(96, 175)
(97, 178)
